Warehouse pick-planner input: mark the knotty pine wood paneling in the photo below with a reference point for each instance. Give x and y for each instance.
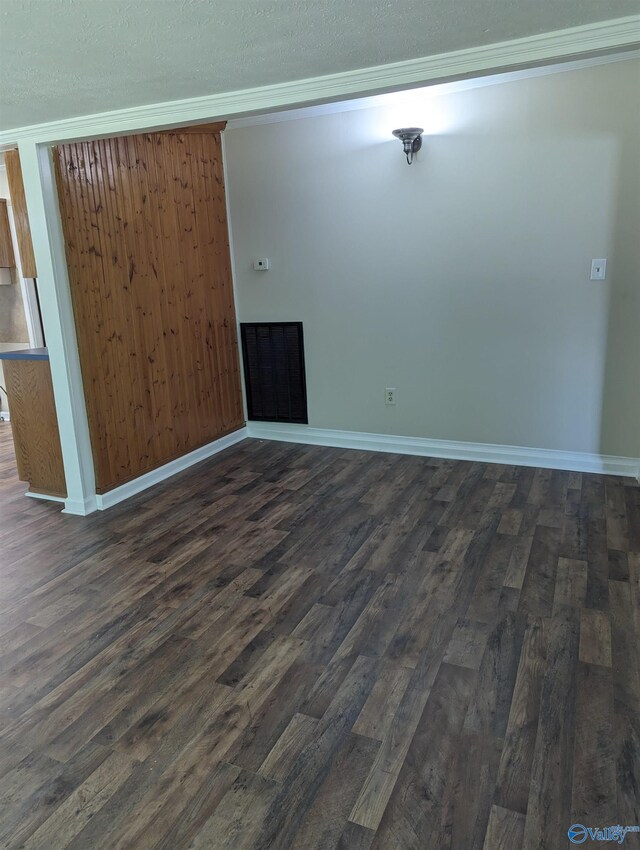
(20, 214)
(145, 227)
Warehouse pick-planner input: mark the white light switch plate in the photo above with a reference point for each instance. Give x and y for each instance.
(598, 269)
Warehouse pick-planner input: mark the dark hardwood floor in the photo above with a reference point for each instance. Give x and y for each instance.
(300, 647)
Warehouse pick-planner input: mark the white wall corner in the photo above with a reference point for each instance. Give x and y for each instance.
(234, 275)
(448, 449)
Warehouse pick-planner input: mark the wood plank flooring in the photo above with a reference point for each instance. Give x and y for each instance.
(302, 647)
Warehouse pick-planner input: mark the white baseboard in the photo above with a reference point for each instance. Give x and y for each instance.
(77, 507)
(4, 416)
(132, 488)
(45, 497)
(80, 507)
(450, 449)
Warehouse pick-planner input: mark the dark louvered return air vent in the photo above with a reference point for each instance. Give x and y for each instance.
(274, 375)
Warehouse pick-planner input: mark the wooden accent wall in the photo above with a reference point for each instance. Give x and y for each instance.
(20, 214)
(35, 426)
(147, 245)
(7, 257)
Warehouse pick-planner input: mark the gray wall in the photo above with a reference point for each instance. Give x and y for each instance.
(13, 325)
(463, 280)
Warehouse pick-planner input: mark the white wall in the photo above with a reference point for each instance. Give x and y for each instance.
(463, 280)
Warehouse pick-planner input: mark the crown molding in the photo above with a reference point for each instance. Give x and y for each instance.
(567, 44)
(434, 90)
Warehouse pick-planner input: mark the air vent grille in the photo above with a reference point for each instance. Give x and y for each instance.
(274, 374)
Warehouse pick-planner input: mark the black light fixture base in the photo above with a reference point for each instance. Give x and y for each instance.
(411, 138)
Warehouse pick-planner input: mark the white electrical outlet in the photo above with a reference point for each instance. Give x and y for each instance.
(598, 269)
(261, 264)
(390, 395)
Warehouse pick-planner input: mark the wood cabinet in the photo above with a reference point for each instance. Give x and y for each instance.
(7, 257)
(20, 215)
(34, 423)
(145, 226)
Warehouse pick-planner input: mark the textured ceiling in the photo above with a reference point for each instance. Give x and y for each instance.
(63, 58)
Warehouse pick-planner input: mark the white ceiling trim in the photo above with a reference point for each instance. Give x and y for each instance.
(435, 89)
(573, 43)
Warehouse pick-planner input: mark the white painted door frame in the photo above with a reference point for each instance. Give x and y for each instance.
(59, 325)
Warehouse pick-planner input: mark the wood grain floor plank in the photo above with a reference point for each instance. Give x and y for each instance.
(571, 588)
(355, 837)
(469, 791)
(625, 650)
(514, 778)
(80, 806)
(299, 732)
(235, 824)
(380, 708)
(419, 793)
(594, 764)
(326, 820)
(505, 829)
(595, 637)
(302, 647)
(298, 793)
(552, 768)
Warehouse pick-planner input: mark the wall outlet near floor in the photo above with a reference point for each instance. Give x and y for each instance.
(598, 269)
(390, 395)
(261, 264)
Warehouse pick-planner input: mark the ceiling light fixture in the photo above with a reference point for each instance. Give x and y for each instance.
(411, 138)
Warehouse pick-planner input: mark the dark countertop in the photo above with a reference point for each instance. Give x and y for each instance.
(25, 354)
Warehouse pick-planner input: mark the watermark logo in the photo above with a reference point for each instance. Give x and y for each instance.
(578, 833)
